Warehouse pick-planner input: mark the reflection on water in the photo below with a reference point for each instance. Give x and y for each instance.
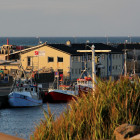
(21, 121)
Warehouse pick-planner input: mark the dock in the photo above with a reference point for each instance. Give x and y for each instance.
(4, 91)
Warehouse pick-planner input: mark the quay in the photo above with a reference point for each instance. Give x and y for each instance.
(4, 91)
(8, 137)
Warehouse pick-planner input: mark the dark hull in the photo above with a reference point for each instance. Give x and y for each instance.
(57, 97)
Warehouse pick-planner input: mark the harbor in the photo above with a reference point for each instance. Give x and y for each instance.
(38, 86)
(69, 70)
(20, 122)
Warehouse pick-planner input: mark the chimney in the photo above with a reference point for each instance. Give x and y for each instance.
(68, 43)
(7, 41)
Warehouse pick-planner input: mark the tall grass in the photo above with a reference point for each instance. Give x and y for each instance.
(94, 116)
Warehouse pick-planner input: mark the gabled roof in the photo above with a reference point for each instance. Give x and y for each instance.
(72, 49)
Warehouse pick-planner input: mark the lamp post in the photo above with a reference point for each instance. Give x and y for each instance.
(93, 66)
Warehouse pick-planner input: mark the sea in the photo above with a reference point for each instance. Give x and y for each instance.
(33, 41)
(21, 122)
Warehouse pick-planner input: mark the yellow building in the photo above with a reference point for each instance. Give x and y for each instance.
(63, 58)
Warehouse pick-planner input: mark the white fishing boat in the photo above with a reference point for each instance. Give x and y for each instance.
(86, 84)
(24, 93)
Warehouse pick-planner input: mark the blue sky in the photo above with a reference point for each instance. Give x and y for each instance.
(51, 18)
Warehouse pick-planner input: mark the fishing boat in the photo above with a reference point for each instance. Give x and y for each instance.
(84, 85)
(86, 82)
(58, 95)
(24, 93)
(63, 94)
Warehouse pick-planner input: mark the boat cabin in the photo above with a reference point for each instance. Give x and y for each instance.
(84, 81)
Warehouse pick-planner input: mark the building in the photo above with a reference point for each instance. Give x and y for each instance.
(132, 57)
(65, 59)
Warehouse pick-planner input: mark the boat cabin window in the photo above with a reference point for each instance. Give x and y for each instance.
(32, 89)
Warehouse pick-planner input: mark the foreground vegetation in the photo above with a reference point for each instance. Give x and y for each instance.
(94, 116)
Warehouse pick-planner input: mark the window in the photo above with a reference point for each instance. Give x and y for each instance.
(60, 59)
(72, 58)
(72, 71)
(89, 57)
(28, 61)
(75, 58)
(119, 55)
(75, 71)
(50, 59)
(103, 57)
(113, 56)
(79, 58)
(79, 71)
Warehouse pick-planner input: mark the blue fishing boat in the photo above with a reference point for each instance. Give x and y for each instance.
(24, 92)
(25, 95)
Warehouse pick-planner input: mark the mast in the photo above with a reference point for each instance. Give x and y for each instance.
(93, 66)
(134, 62)
(125, 56)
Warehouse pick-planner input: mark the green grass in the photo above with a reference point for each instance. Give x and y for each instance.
(96, 115)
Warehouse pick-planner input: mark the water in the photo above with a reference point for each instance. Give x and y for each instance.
(32, 41)
(22, 121)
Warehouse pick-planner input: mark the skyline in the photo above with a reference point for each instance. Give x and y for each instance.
(79, 18)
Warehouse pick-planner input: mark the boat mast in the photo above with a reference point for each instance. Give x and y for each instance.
(125, 56)
(93, 66)
(134, 62)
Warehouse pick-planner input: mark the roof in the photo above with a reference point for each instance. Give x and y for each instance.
(72, 49)
(121, 47)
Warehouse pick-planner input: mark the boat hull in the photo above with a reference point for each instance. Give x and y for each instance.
(84, 90)
(18, 100)
(60, 96)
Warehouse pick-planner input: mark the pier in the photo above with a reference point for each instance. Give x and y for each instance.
(4, 91)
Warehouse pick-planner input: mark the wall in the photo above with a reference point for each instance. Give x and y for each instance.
(39, 62)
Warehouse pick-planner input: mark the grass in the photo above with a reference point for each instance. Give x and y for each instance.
(94, 116)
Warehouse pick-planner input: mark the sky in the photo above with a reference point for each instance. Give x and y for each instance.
(69, 18)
